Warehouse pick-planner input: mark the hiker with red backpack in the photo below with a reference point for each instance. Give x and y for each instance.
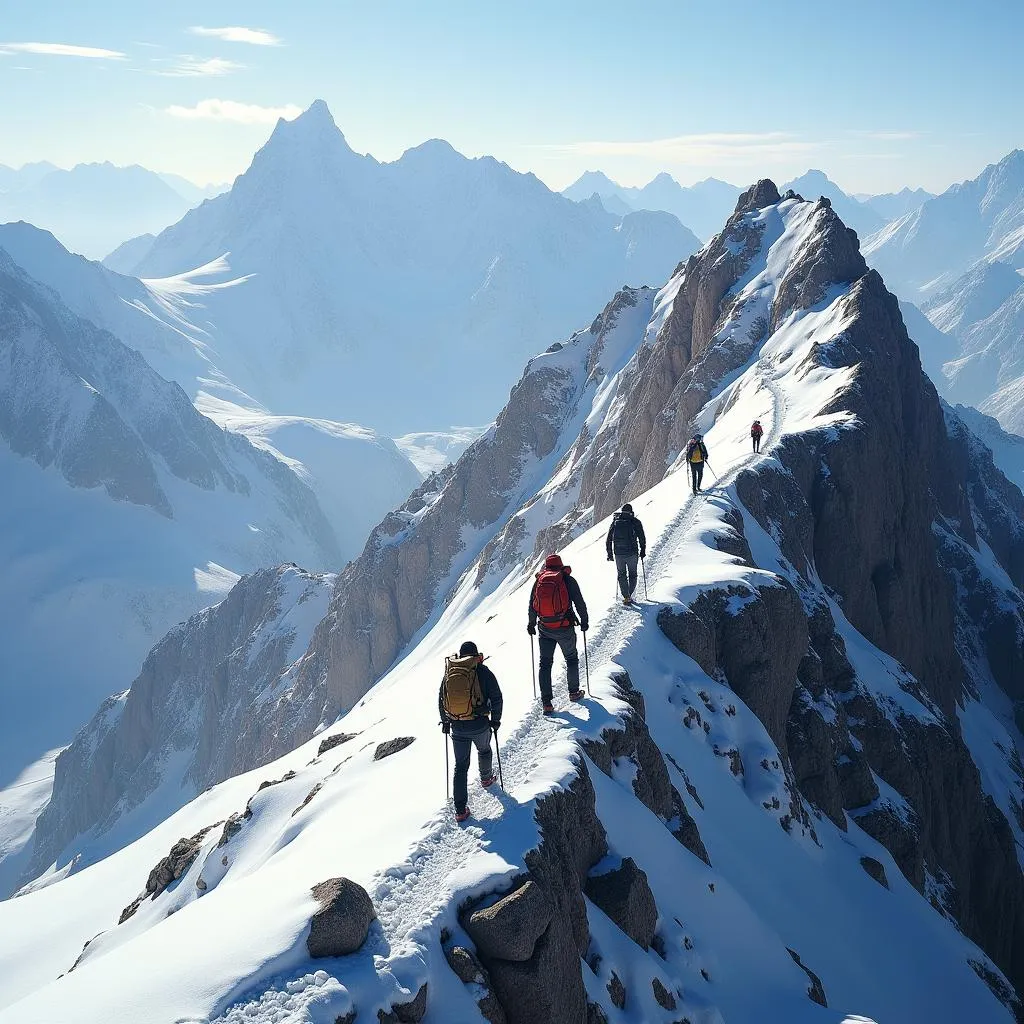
(756, 432)
(696, 457)
(470, 704)
(557, 604)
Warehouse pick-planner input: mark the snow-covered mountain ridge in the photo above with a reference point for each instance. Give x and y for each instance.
(818, 701)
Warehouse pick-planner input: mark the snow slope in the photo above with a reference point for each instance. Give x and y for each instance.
(161, 324)
(433, 277)
(226, 943)
(124, 512)
(861, 216)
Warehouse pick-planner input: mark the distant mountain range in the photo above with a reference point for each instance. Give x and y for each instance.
(402, 295)
(93, 208)
(703, 206)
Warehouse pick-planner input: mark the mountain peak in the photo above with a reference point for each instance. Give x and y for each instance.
(762, 193)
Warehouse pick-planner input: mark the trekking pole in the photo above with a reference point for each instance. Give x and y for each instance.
(713, 473)
(447, 781)
(533, 670)
(586, 662)
(644, 569)
(497, 751)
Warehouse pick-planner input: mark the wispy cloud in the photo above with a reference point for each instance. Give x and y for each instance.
(707, 148)
(887, 135)
(230, 110)
(187, 66)
(62, 50)
(238, 34)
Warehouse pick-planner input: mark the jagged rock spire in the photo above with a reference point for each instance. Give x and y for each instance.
(762, 193)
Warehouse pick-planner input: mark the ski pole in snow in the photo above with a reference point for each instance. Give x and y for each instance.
(713, 473)
(533, 670)
(586, 662)
(644, 569)
(447, 776)
(497, 750)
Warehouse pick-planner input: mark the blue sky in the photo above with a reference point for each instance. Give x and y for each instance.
(879, 94)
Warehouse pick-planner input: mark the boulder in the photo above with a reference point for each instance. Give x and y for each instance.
(617, 991)
(334, 741)
(343, 921)
(876, 869)
(510, 928)
(406, 1013)
(389, 747)
(625, 896)
(665, 999)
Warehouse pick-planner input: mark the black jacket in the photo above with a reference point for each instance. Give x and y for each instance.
(696, 444)
(626, 536)
(492, 705)
(575, 601)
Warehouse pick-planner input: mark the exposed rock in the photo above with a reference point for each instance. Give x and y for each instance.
(595, 1015)
(816, 993)
(876, 869)
(406, 1013)
(510, 928)
(624, 895)
(684, 828)
(348, 1018)
(389, 747)
(617, 991)
(470, 971)
(309, 796)
(665, 998)
(343, 921)
(756, 638)
(335, 741)
(267, 783)
(232, 827)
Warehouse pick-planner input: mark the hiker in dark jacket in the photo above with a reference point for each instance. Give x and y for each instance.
(626, 543)
(696, 456)
(557, 625)
(475, 731)
(756, 432)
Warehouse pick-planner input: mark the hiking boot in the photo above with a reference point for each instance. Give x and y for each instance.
(627, 600)
(462, 815)
(549, 708)
(576, 695)
(489, 781)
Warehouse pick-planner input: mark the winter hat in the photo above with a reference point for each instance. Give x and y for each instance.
(553, 562)
(467, 649)
(627, 508)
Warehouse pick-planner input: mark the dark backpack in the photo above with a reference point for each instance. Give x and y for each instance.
(462, 696)
(551, 598)
(623, 530)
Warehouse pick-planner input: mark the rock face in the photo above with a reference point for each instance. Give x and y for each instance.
(624, 895)
(217, 663)
(343, 921)
(535, 967)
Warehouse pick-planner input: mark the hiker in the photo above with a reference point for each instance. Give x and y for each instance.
(756, 432)
(626, 543)
(470, 703)
(696, 456)
(554, 596)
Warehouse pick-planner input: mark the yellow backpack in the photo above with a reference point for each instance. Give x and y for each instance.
(463, 696)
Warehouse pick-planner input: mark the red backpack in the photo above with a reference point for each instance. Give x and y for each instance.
(551, 598)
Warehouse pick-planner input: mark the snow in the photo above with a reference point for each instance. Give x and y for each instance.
(431, 451)
(233, 948)
(20, 804)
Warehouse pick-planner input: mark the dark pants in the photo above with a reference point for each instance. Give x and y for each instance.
(462, 744)
(697, 470)
(626, 564)
(548, 640)
(756, 438)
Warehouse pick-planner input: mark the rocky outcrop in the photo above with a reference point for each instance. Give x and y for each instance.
(389, 747)
(816, 993)
(545, 916)
(624, 895)
(343, 921)
(217, 663)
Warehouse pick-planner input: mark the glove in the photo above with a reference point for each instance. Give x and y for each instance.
(610, 559)
(643, 555)
(532, 630)
(446, 727)
(584, 626)
(495, 726)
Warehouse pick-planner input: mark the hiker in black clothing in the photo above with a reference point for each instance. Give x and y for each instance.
(626, 543)
(470, 704)
(554, 596)
(756, 432)
(696, 456)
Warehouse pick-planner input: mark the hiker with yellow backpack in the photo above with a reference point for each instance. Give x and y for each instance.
(470, 704)
(696, 457)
